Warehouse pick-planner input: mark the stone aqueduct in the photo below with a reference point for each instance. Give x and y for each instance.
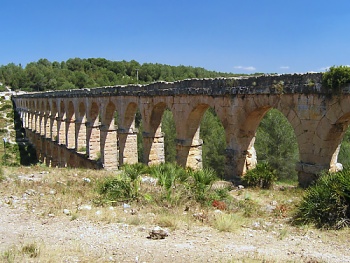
(77, 127)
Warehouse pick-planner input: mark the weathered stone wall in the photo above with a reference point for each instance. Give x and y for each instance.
(319, 119)
(55, 155)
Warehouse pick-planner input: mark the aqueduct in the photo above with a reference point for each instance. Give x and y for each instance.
(77, 127)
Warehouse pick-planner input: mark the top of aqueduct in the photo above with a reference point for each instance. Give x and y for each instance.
(309, 83)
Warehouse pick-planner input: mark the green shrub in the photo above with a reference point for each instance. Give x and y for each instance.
(262, 176)
(336, 78)
(118, 188)
(327, 203)
(168, 175)
(2, 177)
(5, 107)
(200, 183)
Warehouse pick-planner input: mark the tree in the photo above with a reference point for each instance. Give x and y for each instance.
(213, 134)
(276, 143)
(168, 127)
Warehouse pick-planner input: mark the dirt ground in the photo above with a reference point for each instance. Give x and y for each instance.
(61, 239)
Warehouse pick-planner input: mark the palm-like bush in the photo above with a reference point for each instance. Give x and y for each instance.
(168, 175)
(200, 182)
(327, 203)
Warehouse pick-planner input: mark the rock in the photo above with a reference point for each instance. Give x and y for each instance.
(30, 192)
(201, 216)
(273, 203)
(149, 180)
(222, 185)
(158, 233)
(270, 208)
(84, 207)
(98, 212)
(126, 207)
(66, 212)
(86, 180)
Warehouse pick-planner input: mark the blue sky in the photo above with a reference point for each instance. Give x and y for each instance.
(240, 36)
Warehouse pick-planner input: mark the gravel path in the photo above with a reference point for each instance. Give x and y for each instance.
(81, 240)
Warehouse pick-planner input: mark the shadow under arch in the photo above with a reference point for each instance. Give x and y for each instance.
(108, 137)
(153, 139)
(80, 129)
(92, 134)
(189, 144)
(128, 135)
(70, 126)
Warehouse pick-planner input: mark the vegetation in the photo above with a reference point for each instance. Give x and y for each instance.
(344, 152)
(76, 73)
(327, 203)
(276, 144)
(262, 176)
(336, 78)
(176, 185)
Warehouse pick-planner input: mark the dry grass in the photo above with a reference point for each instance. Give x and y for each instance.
(51, 190)
(46, 192)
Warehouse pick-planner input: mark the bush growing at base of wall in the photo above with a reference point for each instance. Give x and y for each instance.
(327, 203)
(262, 176)
(336, 78)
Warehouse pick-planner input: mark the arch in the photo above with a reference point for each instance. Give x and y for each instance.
(92, 132)
(128, 135)
(156, 117)
(53, 122)
(153, 139)
(80, 129)
(129, 116)
(189, 145)
(70, 126)
(333, 140)
(194, 119)
(108, 138)
(61, 124)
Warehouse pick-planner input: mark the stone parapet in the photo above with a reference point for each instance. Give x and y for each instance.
(265, 84)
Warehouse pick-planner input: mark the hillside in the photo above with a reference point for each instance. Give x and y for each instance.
(76, 73)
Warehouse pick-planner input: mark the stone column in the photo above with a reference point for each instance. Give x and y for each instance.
(47, 132)
(250, 157)
(48, 152)
(189, 152)
(37, 122)
(61, 131)
(153, 147)
(109, 147)
(334, 165)
(80, 136)
(62, 157)
(53, 128)
(42, 118)
(54, 155)
(25, 119)
(70, 134)
(93, 141)
(43, 149)
(31, 121)
(232, 172)
(127, 146)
